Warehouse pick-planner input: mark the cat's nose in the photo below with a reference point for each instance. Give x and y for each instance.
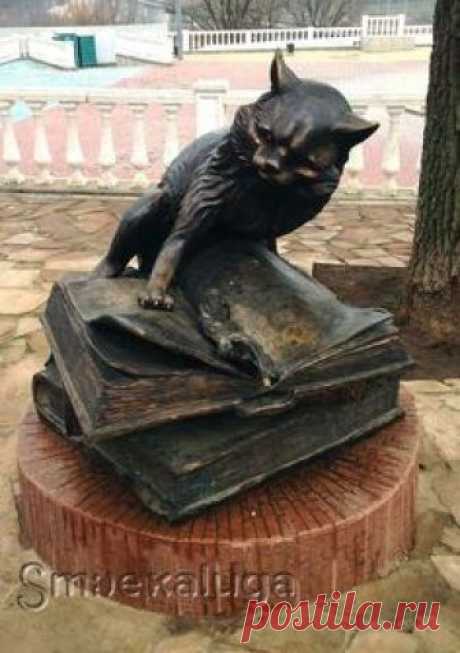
(271, 166)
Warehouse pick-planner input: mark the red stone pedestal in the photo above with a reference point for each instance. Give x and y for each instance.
(326, 525)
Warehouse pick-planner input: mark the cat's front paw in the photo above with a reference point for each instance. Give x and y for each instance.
(156, 300)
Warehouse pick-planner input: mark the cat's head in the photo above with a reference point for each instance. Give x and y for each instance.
(302, 131)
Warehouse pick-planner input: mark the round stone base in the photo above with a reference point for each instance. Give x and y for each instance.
(326, 525)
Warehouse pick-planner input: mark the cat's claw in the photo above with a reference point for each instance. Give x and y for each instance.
(156, 300)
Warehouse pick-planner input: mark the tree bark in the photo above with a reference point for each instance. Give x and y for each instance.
(433, 289)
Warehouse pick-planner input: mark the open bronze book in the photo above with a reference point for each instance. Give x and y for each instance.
(249, 332)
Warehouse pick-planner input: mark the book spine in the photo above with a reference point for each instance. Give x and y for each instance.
(111, 404)
(309, 430)
(53, 405)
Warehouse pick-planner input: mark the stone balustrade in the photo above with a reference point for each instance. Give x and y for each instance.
(307, 37)
(384, 25)
(423, 34)
(122, 139)
(269, 39)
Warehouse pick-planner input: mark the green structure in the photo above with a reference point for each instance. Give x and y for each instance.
(86, 51)
(85, 48)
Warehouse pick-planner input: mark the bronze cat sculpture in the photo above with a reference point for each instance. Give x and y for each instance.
(272, 171)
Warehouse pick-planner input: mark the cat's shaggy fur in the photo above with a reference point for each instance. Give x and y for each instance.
(273, 170)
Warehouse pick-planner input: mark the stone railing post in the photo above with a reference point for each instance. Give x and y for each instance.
(365, 26)
(418, 111)
(401, 24)
(391, 163)
(186, 40)
(107, 153)
(42, 155)
(172, 134)
(355, 164)
(24, 47)
(74, 154)
(139, 156)
(210, 104)
(11, 151)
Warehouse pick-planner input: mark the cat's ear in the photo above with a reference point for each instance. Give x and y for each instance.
(281, 75)
(353, 129)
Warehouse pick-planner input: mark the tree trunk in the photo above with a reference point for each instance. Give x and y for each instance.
(433, 289)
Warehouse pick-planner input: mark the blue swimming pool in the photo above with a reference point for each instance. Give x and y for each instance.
(27, 74)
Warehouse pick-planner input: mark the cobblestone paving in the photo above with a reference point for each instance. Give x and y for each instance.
(40, 239)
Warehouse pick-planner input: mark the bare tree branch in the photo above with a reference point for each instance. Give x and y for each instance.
(231, 14)
(323, 13)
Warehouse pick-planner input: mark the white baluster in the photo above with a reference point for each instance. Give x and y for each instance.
(420, 112)
(24, 47)
(107, 154)
(417, 111)
(172, 134)
(186, 40)
(402, 24)
(419, 160)
(210, 97)
(391, 164)
(11, 151)
(139, 157)
(42, 155)
(74, 153)
(355, 164)
(418, 168)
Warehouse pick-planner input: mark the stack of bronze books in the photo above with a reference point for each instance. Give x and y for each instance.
(258, 368)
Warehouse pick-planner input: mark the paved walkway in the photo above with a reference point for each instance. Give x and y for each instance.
(40, 239)
(353, 71)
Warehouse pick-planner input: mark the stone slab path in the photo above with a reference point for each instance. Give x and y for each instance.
(43, 237)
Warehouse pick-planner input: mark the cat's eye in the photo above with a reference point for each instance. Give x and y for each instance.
(264, 133)
(312, 163)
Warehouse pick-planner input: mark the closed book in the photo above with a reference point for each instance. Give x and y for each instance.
(180, 468)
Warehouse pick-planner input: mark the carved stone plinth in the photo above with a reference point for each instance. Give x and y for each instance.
(330, 524)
